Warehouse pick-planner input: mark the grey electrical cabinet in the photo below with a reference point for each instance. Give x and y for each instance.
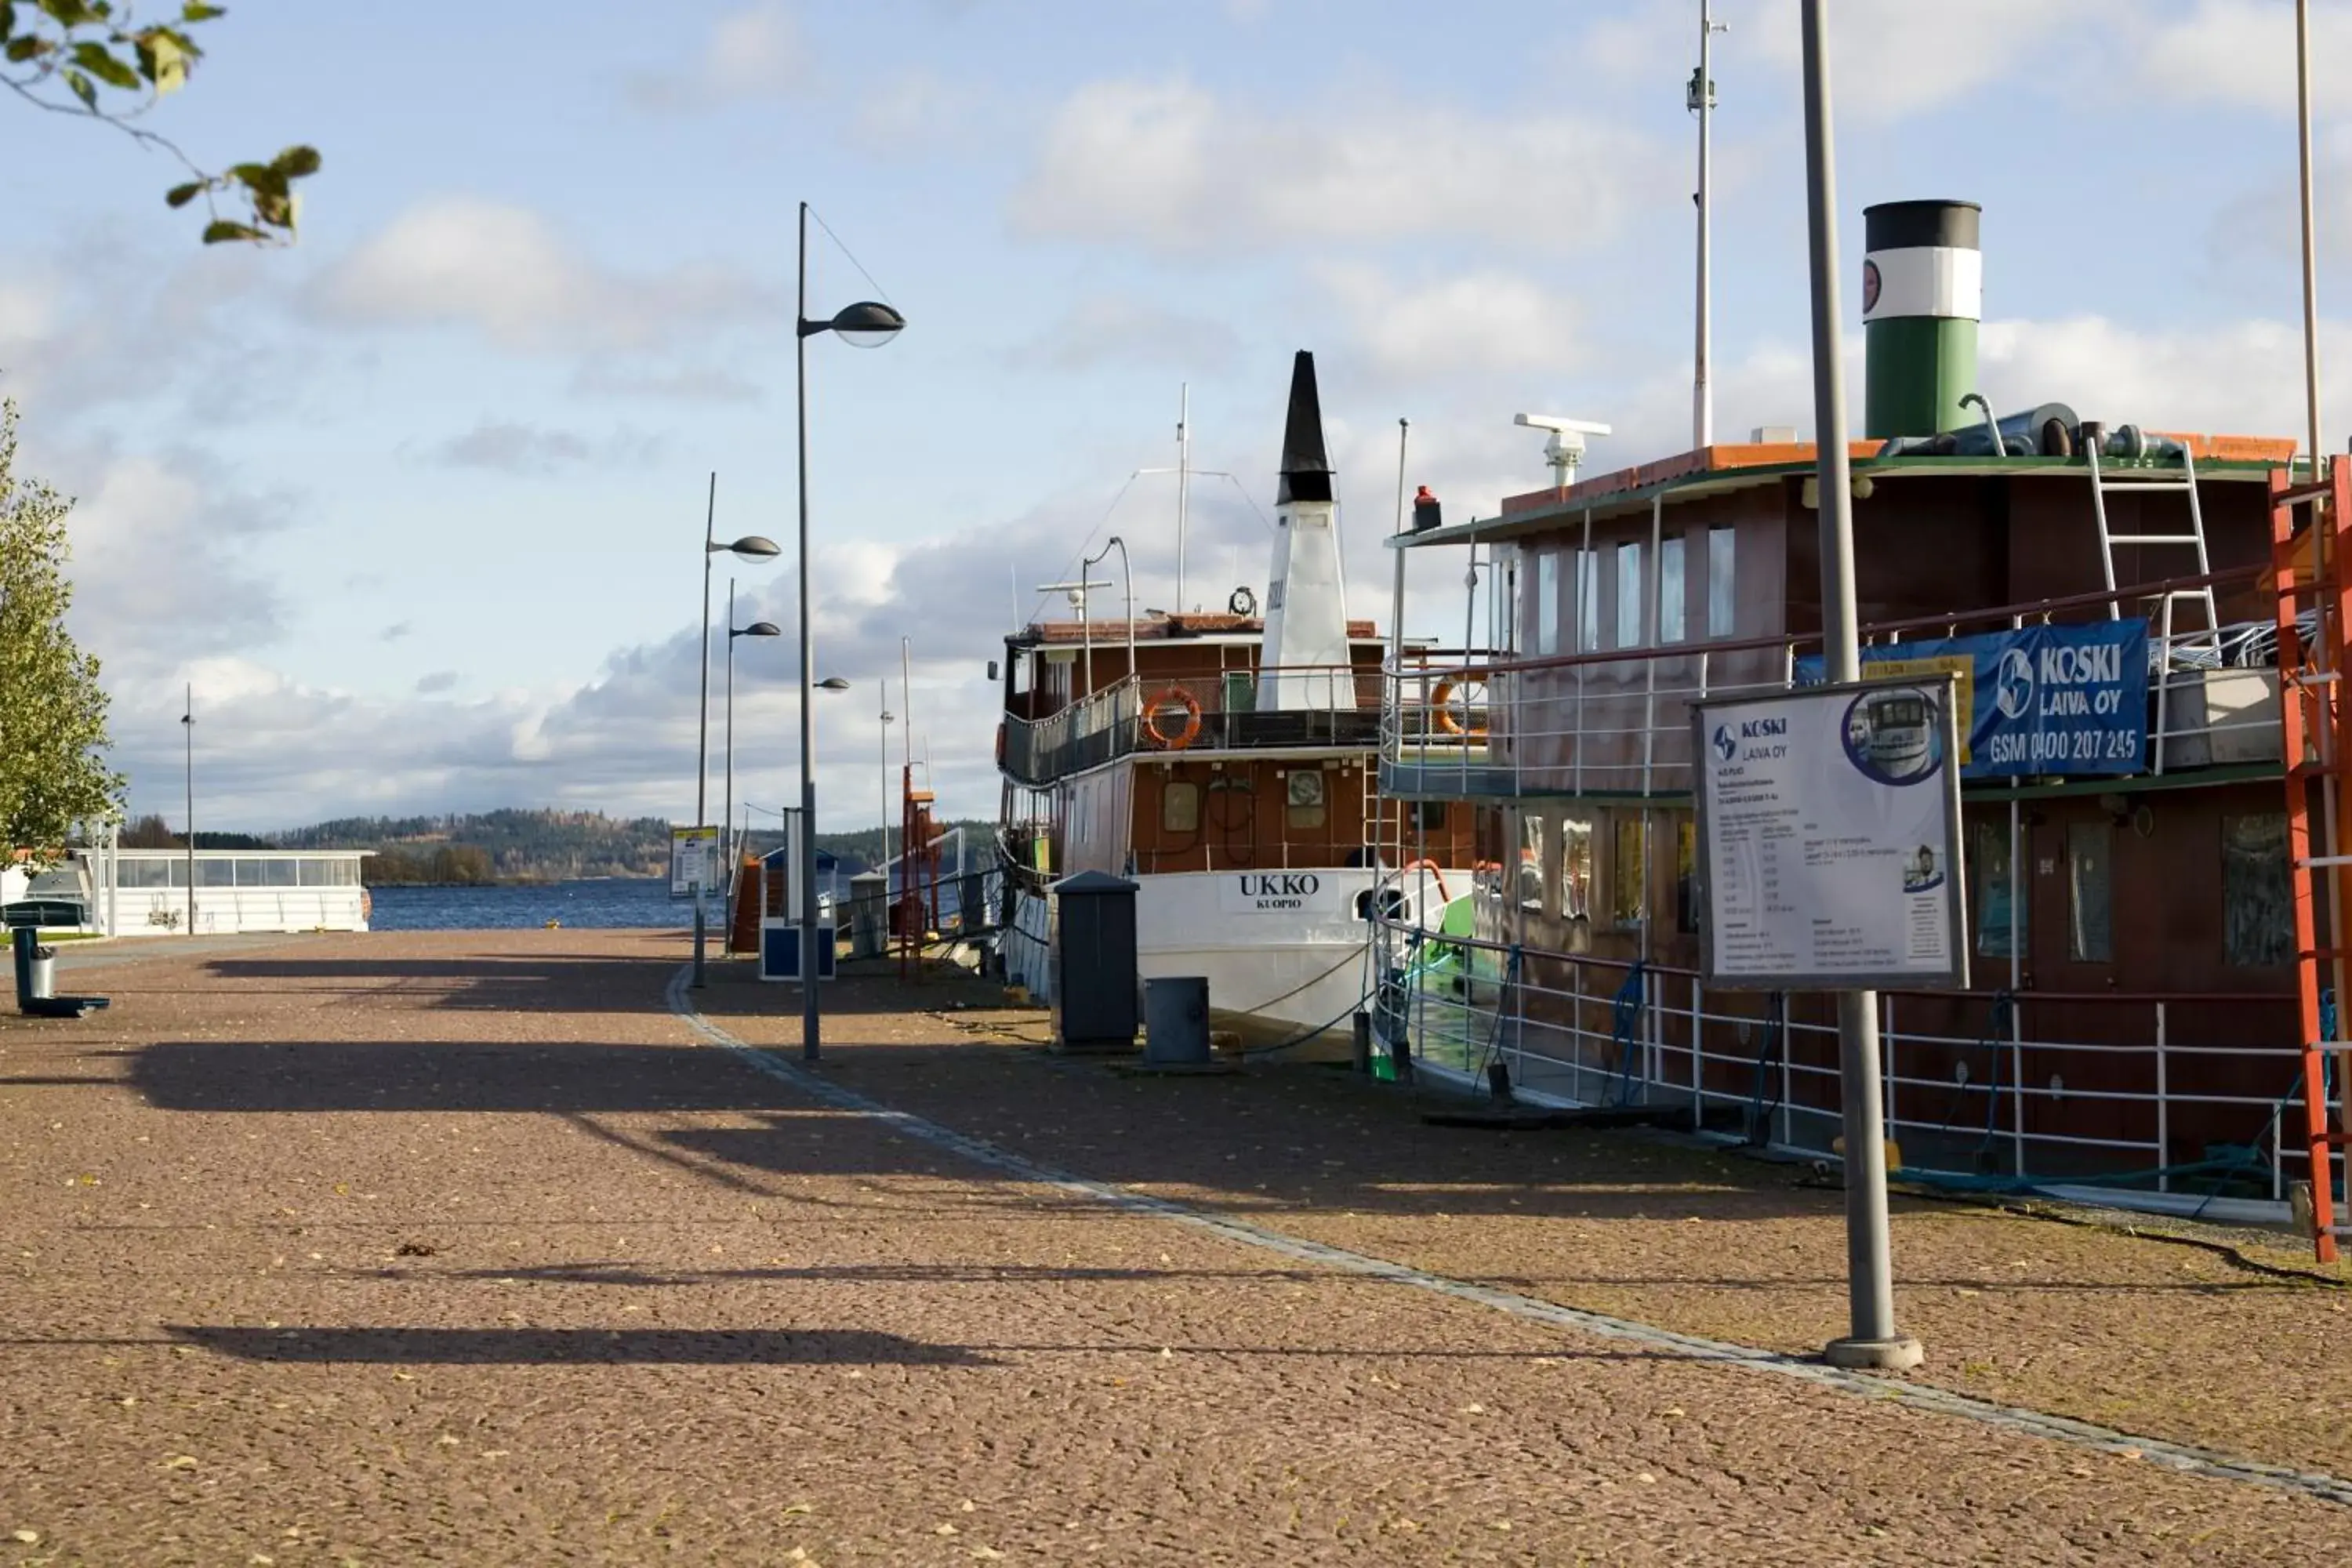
(1093, 981)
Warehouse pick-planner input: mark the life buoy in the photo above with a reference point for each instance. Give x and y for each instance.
(1174, 697)
(1447, 724)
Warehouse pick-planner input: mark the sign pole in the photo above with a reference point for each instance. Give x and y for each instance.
(1872, 1341)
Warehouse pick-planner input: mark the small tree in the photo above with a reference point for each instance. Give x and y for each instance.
(52, 710)
(116, 68)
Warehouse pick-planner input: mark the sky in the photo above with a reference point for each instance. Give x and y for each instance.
(416, 505)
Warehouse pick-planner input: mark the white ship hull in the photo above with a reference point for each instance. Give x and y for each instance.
(1283, 948)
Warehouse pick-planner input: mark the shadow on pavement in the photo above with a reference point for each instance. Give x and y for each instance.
(556, 1077)
(525, 1347)
(523, 983)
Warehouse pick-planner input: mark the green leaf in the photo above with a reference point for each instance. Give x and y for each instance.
(83, 89)
(66, 13)
(193, 12)
(180, 196)
(296, 163)
(163, 61)
(101, 62)
(220, 231)
(7, 20)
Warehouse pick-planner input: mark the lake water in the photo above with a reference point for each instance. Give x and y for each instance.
(604, 902)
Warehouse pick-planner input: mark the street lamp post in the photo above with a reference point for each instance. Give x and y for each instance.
(750, 547)
(1127, 580)
(188, 734)
(863, 325)
(882, 695)
(727, 811)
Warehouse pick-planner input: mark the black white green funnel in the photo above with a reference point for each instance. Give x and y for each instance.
(1922, 294)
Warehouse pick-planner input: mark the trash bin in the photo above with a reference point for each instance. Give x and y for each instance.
(1176, 1020)
(1094, 963)
(45, 972)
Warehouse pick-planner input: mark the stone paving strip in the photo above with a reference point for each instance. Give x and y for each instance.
(463, 1248)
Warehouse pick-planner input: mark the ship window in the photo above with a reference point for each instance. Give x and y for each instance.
(1426, 815)
(1588, 600)
(1576, 868)
(1629, 594)
(1688, 906)
(1547, 602)
(2090, 856)
(1669, 590)
(215, 873)
(142, 874)
(2257, 921)
(1180, 806)
(1989, 864)
(1628, 882)
(1722, 618)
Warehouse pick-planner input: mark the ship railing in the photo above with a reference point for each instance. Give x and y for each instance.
(1213, 711)
(2183, 1101)
(1616, 721)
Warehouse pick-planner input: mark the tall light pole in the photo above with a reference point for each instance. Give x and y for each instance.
(1871, 1340)
(188, 736)
(727, 811)
(1701, 102)
(2310, 246)
(750, 547)
(882, 696)
(866, 324)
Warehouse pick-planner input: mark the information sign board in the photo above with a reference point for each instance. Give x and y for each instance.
(693, 860)
(1829, 838)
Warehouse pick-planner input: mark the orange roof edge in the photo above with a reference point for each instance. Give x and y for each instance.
(1732, 457)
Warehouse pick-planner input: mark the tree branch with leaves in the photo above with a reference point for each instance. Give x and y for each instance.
(95, 59)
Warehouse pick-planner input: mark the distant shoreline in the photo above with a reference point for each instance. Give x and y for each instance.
(511, 882)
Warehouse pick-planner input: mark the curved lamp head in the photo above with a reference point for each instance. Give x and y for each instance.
(757, 629)
(865, 325)
(750, 547)
(833, 683)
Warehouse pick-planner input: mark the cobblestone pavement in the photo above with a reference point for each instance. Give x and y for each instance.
(459, 1248)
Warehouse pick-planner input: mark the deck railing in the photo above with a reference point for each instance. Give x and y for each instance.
(1485, 722)
(1319, 705)
(1984, 1090)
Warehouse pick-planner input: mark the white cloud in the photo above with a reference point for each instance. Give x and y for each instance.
(510, 447)
(1889, 58)
(1479, 322)
(1168, 165)
(751, 53)
(160, 568)
(2243, 52)
(1119, 330)
(505, 272)
(914, 110)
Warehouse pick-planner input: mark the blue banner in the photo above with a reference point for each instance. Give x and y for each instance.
(2038, 700)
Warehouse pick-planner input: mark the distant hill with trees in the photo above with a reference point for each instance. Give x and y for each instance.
(518, 845)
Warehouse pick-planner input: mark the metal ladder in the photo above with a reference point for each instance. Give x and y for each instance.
(2307, 563)
(2207, 638)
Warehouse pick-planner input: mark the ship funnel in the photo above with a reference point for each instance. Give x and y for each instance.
(1922, 293)
(1306, 468)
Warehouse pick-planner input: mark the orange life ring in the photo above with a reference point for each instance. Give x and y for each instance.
(1447, 724)
(1173, 697)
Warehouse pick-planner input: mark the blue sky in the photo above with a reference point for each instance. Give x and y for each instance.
(415, 504)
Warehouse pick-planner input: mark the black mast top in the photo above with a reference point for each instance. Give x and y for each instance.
(1306, 470)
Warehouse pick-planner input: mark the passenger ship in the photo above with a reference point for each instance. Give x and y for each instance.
(1228, 765)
